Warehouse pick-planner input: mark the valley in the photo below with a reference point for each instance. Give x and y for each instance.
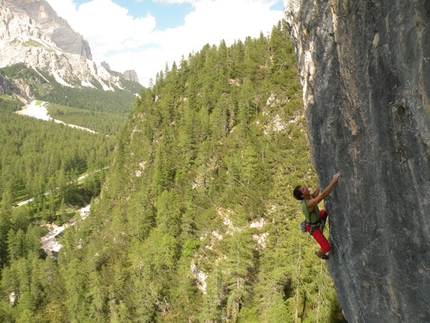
(188, 182)
(38, 110)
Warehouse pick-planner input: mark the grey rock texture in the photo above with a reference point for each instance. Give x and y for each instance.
(364, 68)
(131, 75)
(23, 40)
(56, 27)
(105, 65)
(15, 87)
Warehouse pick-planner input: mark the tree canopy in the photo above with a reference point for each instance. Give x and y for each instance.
(195, 221)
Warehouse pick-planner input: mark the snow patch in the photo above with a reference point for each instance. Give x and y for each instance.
(35, 111)
(35, 69)
(39, 111)
(87, 84)
(60, 80)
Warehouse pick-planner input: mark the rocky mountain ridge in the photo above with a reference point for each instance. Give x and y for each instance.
(18, 87)
(131, 75)
(363, 67)
(32, 33)
(54, 27)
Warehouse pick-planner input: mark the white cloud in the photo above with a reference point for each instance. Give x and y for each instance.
(176, 1)
(129, 43)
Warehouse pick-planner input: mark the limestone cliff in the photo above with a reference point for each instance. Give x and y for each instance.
(131, 75)
(105, 65)
(33, 42)
(17, 86)
(364, 69)
(57, 29)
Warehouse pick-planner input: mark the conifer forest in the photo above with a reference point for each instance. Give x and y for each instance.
(192, 217)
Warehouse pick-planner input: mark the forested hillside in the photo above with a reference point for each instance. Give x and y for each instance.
(46, 88)
(104, 111)
(196, 221)
(40, 161)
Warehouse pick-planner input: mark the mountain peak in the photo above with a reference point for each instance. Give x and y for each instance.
(31, 33)
(53, 26)
(131, 75)
(105, 65)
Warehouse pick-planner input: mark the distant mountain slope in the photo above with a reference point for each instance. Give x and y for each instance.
(17, 87)
(43, 86)
(53, 26)
(50, 55)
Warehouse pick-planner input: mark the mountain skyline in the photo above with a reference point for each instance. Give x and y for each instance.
(146, 35)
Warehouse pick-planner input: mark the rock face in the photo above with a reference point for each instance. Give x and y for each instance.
(55, 27)
(131, 75)
(24, 40)
(18, 87)
(364, 69)
(105, 65)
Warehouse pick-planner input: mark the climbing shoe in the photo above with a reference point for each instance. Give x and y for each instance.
(321, 254)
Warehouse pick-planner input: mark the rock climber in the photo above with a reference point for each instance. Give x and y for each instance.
(316, 218)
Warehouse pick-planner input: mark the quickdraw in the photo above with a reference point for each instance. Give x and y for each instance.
(313, 225)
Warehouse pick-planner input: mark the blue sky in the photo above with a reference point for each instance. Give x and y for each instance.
(145, 35)
(166, 15)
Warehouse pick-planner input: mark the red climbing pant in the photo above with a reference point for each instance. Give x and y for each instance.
(318, 235)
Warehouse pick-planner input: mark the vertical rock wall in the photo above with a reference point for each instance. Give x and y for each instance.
(54, 26)
(365, 69)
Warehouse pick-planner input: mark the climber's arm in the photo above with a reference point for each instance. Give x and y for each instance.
(315, 193)
(315, 201)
